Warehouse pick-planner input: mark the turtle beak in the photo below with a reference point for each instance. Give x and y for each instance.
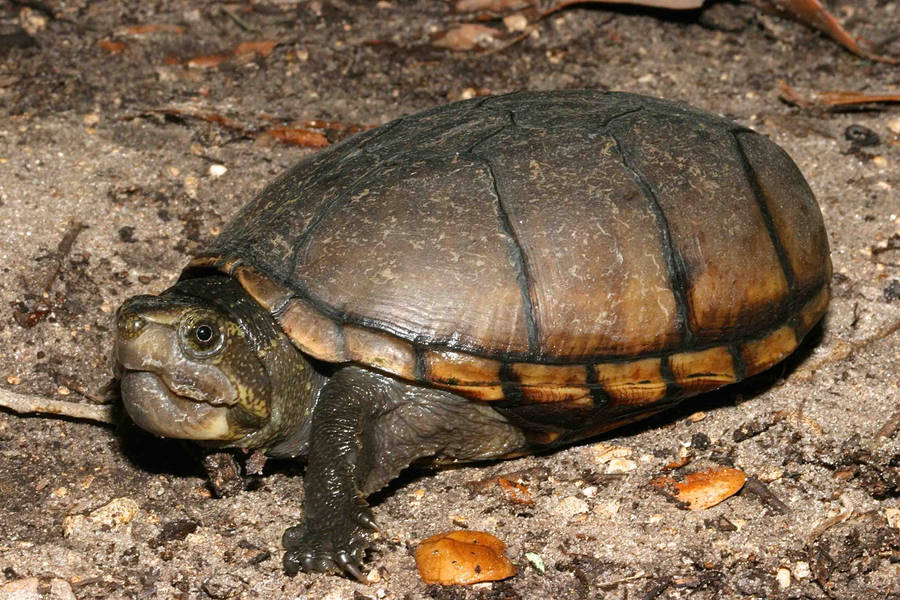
(162, 390)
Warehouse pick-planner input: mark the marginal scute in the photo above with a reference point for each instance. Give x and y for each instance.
(761, 354)
(703, 370)
(313, 332)
(265, 291)
(633, 382)
(456, 368)
(538, 374)
(814, 309)
(484, 393)
(381, 351)
(573, 395)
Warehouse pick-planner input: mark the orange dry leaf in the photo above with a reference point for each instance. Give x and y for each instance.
(704, 489)
(462, 558)
(112, 47)
(515, 492)
(299, 137)
(262, 48)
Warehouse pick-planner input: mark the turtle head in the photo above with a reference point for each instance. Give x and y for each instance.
(204, 361)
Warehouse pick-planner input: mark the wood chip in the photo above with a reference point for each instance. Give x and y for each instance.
(462, 558)
(299, 137)
(468, 36)
(703, 489)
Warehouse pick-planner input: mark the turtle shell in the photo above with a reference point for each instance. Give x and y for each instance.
(577, 248)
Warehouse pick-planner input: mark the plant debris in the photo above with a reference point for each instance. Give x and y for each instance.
(703, 489)
(462, 558)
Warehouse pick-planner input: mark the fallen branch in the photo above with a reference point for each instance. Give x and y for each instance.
(26, 404)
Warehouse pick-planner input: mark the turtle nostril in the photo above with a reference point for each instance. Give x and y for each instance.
(130, 324)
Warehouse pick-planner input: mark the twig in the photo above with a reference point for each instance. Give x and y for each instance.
(27, 404)
(890, 428)
(830, 522)
(42, 305)
(761, 490)
(237, 19)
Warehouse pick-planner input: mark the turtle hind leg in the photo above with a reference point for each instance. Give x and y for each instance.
(366, 428)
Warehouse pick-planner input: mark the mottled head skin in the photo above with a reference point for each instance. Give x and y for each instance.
(204, 361)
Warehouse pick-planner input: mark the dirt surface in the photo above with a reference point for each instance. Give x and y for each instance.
(100, 126)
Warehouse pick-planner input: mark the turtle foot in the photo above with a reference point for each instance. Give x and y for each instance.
(335, 545)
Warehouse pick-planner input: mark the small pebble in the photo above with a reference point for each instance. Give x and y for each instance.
(893, 517)
(61, 590)
(222, 586)
(620, 465)
(801, 570)
(21, 589)
(783, 577)
(217, 170)
(879, 161)
(571, 506)
(516, 22)
(13, 379)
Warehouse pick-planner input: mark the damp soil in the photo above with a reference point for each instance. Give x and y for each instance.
(152, 137)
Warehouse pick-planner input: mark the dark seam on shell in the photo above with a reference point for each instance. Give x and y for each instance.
(759, 196)
(737, 362)
(514, 246)
(668, 376)
(598, 394)
(674, 264)
(420, 368)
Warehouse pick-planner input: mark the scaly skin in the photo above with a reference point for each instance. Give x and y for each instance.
(253, 389)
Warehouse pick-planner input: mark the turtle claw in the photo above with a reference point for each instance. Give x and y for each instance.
(348, 565)
(337, 547)
(365, 519)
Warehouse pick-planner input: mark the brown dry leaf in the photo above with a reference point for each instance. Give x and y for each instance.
(468, 36)
(815, 15)
(139, 30)
(545, 7)
(703, 489)
(462, 558)
(300, 137)
(834, 99)
(491, 5)
(112, 47)
(261, 48)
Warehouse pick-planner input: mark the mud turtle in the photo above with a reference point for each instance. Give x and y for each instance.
(477, 281)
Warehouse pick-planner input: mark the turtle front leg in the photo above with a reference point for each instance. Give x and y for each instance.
(366, 428)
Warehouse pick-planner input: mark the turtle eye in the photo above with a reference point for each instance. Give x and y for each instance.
(201, 337)
(204, 333)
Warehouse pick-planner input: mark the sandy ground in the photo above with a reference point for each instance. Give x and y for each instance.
(99, 127)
